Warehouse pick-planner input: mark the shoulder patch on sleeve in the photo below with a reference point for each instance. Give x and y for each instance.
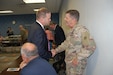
(85, 38)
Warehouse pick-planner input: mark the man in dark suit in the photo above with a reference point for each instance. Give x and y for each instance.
(37, 33)
(32, 63)
(59, 37)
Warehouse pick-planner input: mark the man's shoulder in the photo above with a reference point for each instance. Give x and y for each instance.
(35, 26)
(81, 28)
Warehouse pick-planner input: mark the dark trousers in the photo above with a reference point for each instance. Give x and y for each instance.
(60, 63)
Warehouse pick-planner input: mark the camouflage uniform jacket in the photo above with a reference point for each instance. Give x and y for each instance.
(78, 44)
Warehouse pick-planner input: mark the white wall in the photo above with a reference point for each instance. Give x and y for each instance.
(97, 16)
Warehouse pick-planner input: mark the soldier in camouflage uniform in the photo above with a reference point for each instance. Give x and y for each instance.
(78, 46)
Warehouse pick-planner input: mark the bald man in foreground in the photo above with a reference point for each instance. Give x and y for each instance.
(32, 63)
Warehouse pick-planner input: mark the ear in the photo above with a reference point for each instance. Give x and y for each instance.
(24, 58)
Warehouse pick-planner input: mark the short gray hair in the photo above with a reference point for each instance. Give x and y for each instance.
(74, 13)
(28, 52)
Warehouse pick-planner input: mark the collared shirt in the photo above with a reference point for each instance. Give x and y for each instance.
(55, 27)
(40, 24)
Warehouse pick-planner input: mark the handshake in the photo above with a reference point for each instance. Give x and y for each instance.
(53, 51)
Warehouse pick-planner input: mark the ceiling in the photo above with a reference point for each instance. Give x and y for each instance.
(19, 7)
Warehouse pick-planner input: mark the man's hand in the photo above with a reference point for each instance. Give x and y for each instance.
(23, 64)
(53, 52)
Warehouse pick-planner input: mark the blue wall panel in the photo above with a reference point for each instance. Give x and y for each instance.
(26, 20)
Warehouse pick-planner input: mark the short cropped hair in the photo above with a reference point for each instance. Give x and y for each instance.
(52, 23)
(42, 12)
(29, 53)
(74, 13)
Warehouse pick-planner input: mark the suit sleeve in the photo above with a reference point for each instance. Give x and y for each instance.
(38, 37)
(59, 35)
(42, 43)
(62, 35)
